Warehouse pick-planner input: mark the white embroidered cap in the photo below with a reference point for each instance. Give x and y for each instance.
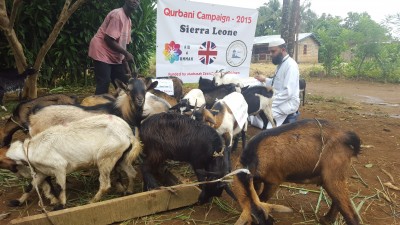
(276, 42)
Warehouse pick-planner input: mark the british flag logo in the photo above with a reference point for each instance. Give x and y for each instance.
(207, 52)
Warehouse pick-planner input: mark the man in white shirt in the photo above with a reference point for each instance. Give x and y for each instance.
(285, 82)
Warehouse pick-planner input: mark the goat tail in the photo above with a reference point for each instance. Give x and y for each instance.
(353, 141)
(136, 149)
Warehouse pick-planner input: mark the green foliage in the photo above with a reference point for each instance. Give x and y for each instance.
(269, 18)
(67, 60)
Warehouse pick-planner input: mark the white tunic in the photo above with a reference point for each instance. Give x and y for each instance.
(286, 86)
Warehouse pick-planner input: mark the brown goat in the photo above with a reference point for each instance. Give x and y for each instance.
(307, 151)
(19, 117)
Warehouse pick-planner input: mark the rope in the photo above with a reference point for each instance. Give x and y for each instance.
(222, 179)
(323, 144)
(33, 174)
(23, 128)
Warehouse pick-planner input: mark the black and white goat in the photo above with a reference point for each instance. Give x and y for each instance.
(259, 99)
(177, 137)
(212, 92)
(302, 87)
(106, 141)
(193, 98)
(11, 80)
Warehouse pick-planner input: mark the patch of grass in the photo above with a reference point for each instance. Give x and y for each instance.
(316, 98)
(337, 100)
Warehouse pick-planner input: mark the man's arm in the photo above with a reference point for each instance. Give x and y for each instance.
(113, 44)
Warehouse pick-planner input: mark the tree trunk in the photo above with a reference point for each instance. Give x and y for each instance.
(31, 83)
(292, 26)
(297, 29)
(7, 25)
(285, 20)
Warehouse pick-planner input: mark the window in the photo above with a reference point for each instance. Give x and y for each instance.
(305, 50)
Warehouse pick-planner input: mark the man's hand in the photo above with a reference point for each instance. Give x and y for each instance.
(260, 78)
(128, 56)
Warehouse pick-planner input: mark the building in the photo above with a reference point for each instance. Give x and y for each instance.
(308, 48)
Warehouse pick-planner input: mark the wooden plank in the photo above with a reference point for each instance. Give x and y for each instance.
(118, 209)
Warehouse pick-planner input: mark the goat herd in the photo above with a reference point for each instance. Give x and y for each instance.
(112, 131)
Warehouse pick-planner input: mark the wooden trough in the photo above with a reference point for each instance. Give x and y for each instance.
(118, 209)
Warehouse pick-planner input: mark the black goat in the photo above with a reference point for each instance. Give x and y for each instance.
(177, 137)
(213, 92)
(11, 80)
(302, 87)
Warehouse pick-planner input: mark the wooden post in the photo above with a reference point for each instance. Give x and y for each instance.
(118, 209)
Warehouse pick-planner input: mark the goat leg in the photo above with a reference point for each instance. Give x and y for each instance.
(337, 190)
(149, 182)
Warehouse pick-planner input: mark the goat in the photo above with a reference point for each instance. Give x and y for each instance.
(307, 151)
(221, 78)
(228, 117)
(11, 80)
(103, 140)
(19, 117)
(212, 93)
(259, 99)
(129, 104)
(154, 105)
(177, 137)
(189, 101)
(302, 87)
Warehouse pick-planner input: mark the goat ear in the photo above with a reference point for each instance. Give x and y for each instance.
(121, 85)
(152, 86)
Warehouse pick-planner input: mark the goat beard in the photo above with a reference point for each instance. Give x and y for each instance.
(276, 60)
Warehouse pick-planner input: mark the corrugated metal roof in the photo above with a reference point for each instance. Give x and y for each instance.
(268, 38)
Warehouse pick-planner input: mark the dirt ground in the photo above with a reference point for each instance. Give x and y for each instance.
(372, 110)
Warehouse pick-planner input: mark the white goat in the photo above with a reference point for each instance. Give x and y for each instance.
(221, 78)
(100, 140)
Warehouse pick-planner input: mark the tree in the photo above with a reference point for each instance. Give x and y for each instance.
(294, 20)
(285, 20)
(7, 25)
(269, 17)
(332, 36)
(392, 23)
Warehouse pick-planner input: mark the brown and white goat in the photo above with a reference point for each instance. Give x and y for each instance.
(307, 151)
(19, 117)
(106, 141)
(223, 120)
(98, 99)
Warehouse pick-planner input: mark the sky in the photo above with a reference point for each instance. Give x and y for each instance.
(376, 9)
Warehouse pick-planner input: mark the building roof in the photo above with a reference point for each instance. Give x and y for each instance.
(268, 38)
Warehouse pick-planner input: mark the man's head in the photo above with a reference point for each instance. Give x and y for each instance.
(132, 4)
(277, 48)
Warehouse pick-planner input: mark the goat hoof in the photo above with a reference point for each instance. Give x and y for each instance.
(58, 207)
(14, 203)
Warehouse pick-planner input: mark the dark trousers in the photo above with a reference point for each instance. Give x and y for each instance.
(105, 73)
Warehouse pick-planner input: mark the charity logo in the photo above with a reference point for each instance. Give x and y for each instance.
(236, 53)
(172, 51)
(207, 52)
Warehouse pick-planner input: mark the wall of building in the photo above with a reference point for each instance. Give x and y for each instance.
(261, 54)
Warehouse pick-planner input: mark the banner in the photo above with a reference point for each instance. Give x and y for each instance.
(196, 39)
